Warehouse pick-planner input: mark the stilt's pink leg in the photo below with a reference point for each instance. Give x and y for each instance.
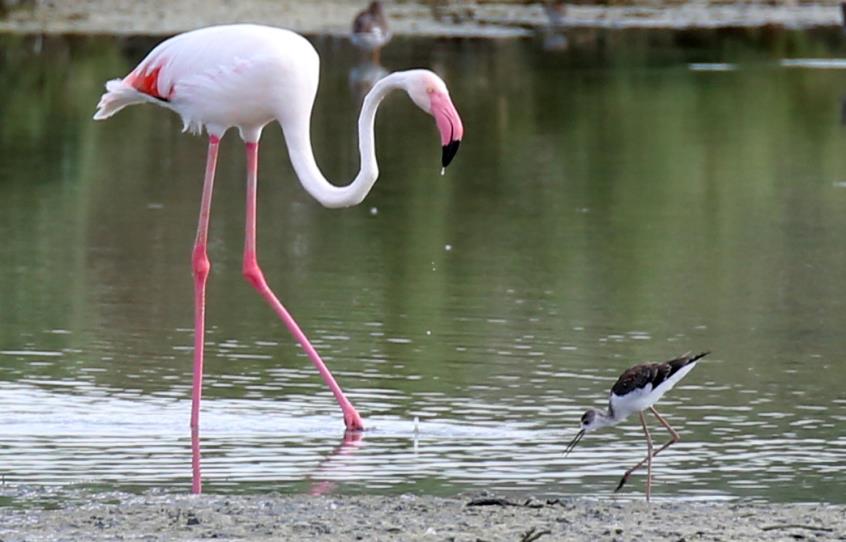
(254, 276)
(648, 457)
(201, 267)
(674, 437)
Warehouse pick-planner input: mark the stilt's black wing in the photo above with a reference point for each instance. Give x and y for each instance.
(639, 376)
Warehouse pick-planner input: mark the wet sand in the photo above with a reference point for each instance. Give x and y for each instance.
(434, 18)
(111, 516)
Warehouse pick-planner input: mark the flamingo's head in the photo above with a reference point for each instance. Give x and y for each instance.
(430, 93)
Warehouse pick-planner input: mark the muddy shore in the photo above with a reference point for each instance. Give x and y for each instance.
(112, 516)
(409, 18)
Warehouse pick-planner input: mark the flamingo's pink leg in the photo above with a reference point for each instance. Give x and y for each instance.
(254, 276)
(201, 267)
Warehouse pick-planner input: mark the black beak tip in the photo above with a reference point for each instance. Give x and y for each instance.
(450, 150)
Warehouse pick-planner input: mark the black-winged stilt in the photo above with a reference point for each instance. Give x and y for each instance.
(637, 389)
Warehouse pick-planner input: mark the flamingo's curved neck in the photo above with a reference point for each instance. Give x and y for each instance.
(298, 140)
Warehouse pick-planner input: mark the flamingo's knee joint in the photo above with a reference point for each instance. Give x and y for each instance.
(252, 274)
(200, 263)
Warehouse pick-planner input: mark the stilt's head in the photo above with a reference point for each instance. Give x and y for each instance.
(591, 420)
(430, 93)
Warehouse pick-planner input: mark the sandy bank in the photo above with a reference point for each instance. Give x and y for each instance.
(167, 517)
(436, 18)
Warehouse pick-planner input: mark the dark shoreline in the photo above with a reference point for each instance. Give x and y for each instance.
(480, 19)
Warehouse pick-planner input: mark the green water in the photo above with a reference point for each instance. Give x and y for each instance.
(609, 205)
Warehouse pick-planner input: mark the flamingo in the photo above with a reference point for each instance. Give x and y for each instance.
(245, 76)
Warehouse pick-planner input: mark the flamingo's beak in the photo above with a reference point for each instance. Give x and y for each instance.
(449, 125)
(573, 442)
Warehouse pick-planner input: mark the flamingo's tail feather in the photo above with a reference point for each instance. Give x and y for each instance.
(118, 95)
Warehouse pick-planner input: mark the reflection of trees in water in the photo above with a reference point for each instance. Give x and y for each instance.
(119, 202)
(25, 62)
(42, 136)
(588, 183)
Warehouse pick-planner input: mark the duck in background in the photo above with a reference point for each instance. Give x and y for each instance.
(370, 30)
(553, 34)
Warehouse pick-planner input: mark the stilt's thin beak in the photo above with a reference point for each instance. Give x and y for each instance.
(573, 442)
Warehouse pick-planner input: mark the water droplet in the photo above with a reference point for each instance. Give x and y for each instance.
(447, 247)
(443, 171)
(374, 211)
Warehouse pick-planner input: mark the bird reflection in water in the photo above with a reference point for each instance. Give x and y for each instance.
(321, 479)
(553, 34)
(364, 76)
(321, 482)
(370, 32)
(334, 466)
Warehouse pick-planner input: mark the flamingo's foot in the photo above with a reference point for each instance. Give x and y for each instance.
(352, 420)
(351, 437)
(623, 481)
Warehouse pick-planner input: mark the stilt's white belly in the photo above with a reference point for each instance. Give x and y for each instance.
(640, 399)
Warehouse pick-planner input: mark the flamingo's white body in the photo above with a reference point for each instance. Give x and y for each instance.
(244, 77)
